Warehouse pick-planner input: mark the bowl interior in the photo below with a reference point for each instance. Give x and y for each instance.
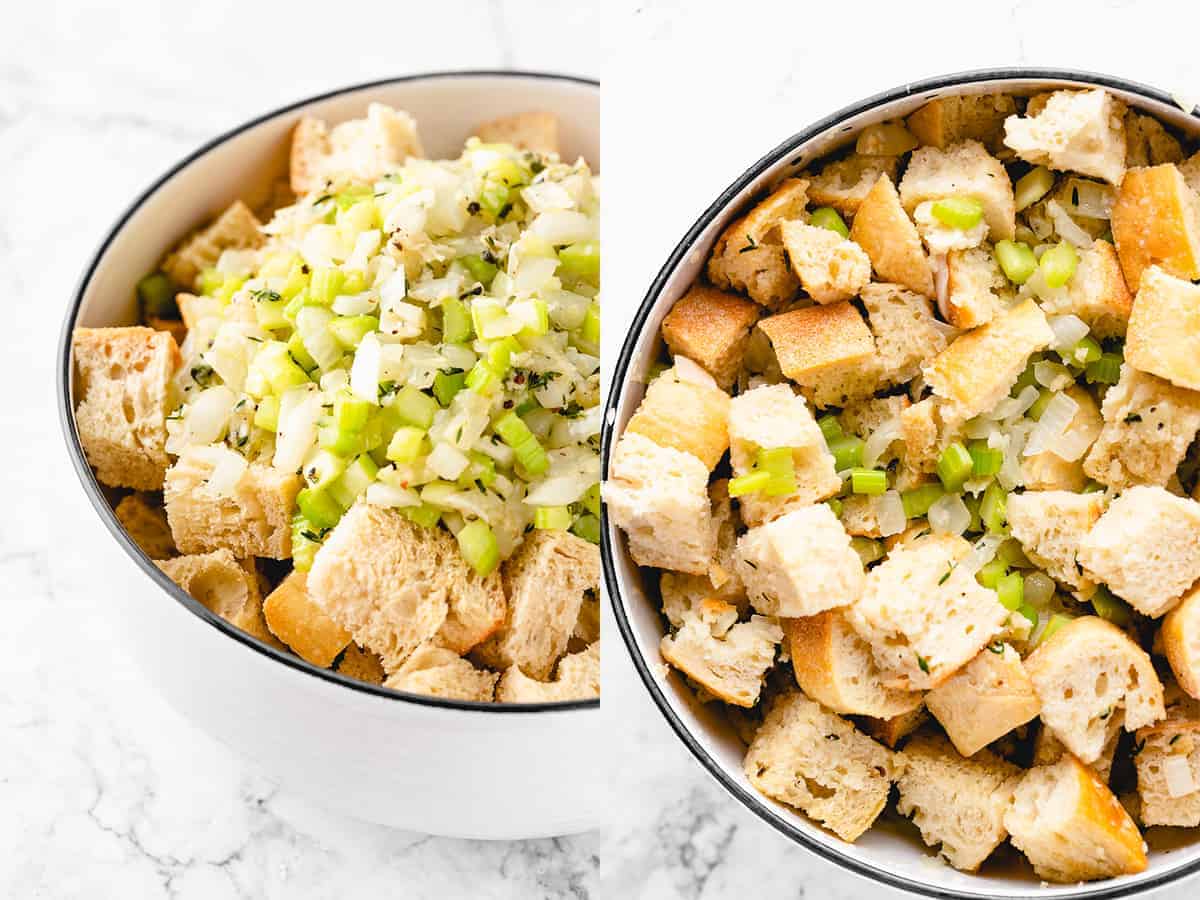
(891, 852)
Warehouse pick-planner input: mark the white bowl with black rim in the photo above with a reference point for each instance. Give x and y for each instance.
(441, 766)
(892, 852)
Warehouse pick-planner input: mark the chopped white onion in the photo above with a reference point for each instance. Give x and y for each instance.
(691, 373)
(1178, 774)
(1067, 228)
(889, 513)
(1072, 444)
(1055, 420)
(228, 469)
(365, 245)
(299, 412)
(447, 461)
(1068, 331)
(207, 416)
(355, 304)
(380, 493)
(982, 552)
(879, 440)
(1039, 588)
(1010, 475)
(364, 373)
(563, 227)
(1092, 200)
(1052, 375)
(949, 515)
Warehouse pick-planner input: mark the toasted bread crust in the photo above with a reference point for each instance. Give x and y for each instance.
(1156, 221)
(883, 229)
(711, 328)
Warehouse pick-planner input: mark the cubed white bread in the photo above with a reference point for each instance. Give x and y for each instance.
(360, 150)
(438, 672)
(774, 416)
(1046, 471)
(225, 586)
(577, 678)
(1156, 221)
(941, 239)
(535, 131)
(926, 428)
(1146, 548)
(1086, 672)
(799, 564)
(727, 659)
(174, 327)
(1168, 768)
(236, 228)
(894, 730)
(923, 617)
(1074, 131)
(1190, 170)
(905, 330)
(360, 664)
(1096, 293)
(1164, 329)
(659, 497)
(948, 120)
(1181, 641)
(545, 582)
(300, 622)
(682, 593)
(976, 289)
(845, 183)
(964, 169)
(125, 390)
(862, 418)
(985, 700)
(147, 524)
(1051, 526)
(958, 804)
(587, 626)
(1047, 749)
(1071, 827)
(195, 309)
(1148, 426)
(980, 367)
(1147, 143)
(884, 230)
(817, 762)
(834, 666)
(829, 266)
(711, 328)
(686, 415)
(827, 350)
(749, 257)
(860, 516)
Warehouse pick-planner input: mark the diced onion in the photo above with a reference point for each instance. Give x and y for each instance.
(1092, 199)
(208, 415)
(1039, 588)
(447, 461)
(1009, 475)
(982, 552)
(691, 373)
(1072, 444)
(355, 304)
(889, 513)
(563, 227)
(1055, 420)
(380, 493)
(878, 442)
(1068, 331)
(949, 515)
(1178, 774)
(1067, 228)
(1052, 375)
(228, 469)
(299, 412)
(364, 373)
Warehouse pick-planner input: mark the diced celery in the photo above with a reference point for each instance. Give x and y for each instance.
(779, 463)
(210, 281)
(481, 270)
(297, 281)
(299, 354)
(325, 285)
(343, 443)
(994, 508)
(750, 483)
(590, 330)
(1030, 612)
(828, 217)
(868, 481)
(1084, 353)
(268, 309)
(1057, 621)
(499, 355)
(552, 518)
(831, 428)
(352, 195)
(407, 444)
(1011, 554)
(954, 467)
(485, 311)
(972, 503)
(534, 314)
(456, 321)
(278, 368)
(230, 285)
(354, 481)
(424, 515)
(591, 500)
(1105, 370)
(350, 330)
(350, 413)
(847, 452)
(323, 468)
(581, 261)
(835, 505)
(1032, 187)
(1109, 606)
(266, 416)
(415, 407)
(868, 550)
(361, 216)
(156, 293)
(482, 469)
(529, 452)
(446, 385)
(438, 493)
(986, 460)
(1040, 404)
(1011, 591)
(479, 548)
(482, 379)
(318, 507)
(1058, 264)
(588, 528)
(1028, 378)
(306, 541)
(354, 283)
(962, 213)
(1092, 487)
(917, 501)
(990, 574)
(1016, 260)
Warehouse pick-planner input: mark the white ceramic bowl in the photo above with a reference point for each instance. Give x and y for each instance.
(445, 767)
(891, 853)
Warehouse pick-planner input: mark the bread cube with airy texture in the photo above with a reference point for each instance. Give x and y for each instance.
(948, 120)
(1168, 768)
(860, 516)
(830, 267)
(1148, 425)
(799, 564)
(659, 497)
(1190, 170)
(225, 586)
(1096, 293)
(300, 622)
(236, 228)
(1147, 143)
(1146, 548)
(985, 700)
(438, 672)
(1047, 749)
(976, 289)
(749, 255)
(577, 678)
(770, 417)
(125, 390)
(359, 664)
(1070, 826)
(360, 150)
(711, 328)
(535, 131)
(684, 415)
(906, 332)
(683, 593)
(834, 666)
(845, 183)
(1074, 131)
(926, 428)
(827, 350)
(892, 731)
(883, 229)
(1086, 672)
(1164, 329)
(956, 803)
(252, 519)
(545, 582)
(1156, 221)
(980, 367)
(1051, 525)
(1181, 641)
(727, 659)
(862, 418)
(817, 762)
(965, 169)
(923, 617)
(147, 525)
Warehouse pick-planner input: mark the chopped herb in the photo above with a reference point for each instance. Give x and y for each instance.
(452, 370)
(504, 211)
(322, 199)
(946, 577)
(750, 245)
(1171, 743)
(473, 208)
(571, 411)
(536, 166)
(1132, 418)
(316, 536)
(750, 564)
(266, 295)
(478, 289)
(832, 737)
(541, 379)
(202, 374)
(386, 389)
(923, 663)
(997, 647)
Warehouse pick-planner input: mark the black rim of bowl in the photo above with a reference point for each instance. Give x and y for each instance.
(761, 806)
(92, 487)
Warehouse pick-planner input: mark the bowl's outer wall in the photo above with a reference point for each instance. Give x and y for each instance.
(882, 854)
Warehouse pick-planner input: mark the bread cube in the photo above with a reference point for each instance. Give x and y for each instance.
(976, 289)
(1071, 827)
(834, 666)
(125, 387)
(225, 586)
(1051, 525)
(684, 415)
(577, 678)
(769, 417)
(1074, 131)
(1181, 641)
(1164, 329)
(830, 267)
(726, 659)
(965, 169)
(545, 582)
(956, 803)
(297, 620)
(146, 525)
(1096, 293)
(236, 228)
(1047, 471)
(883, 229)
(711, 328)
(1146, 548)
(985, 700)
(948, 120)
(587, 626)
(819, 763)
(860, 516)
(980, 367)
(845, 183)
(534, 131)
(1156, 221)
(925, 432)
(893, 730)
(1047, 749)
(658, 496)
(438, 672)
(1168, 768)
(906, 332)
(254, 519)
(1190, 170)
(923, 617)
(827, 350)
(799, 564)
(360, 664)
(862, 418)
(1086, 672)
(683, 593)
(1147, 143)
(360, 150)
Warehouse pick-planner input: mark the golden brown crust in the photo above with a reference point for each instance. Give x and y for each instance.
(883, 229)
(236, 228)
(1164, 329)
(811, 343)
(299, 622)
(1156, 221)
(147, 524)
(946, 120)
(1181, 641)
(711, 328)
(690, 417)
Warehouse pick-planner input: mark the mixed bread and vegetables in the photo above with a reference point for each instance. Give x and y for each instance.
(367, 431)
(920, 479)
